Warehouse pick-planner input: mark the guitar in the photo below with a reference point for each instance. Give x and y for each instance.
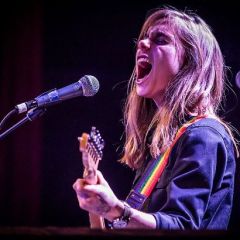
(92, 144)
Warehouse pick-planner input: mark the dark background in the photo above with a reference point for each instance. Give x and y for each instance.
(50, 44)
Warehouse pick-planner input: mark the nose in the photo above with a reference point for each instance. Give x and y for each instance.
(144, 43)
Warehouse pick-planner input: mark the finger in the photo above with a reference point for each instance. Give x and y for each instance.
(94, 189)
(83, 195)
(80, 187)
(79, 184)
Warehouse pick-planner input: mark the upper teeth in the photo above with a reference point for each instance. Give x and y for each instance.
(143, 59)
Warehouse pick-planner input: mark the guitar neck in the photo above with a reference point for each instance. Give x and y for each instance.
(90, 171)
(92, 145)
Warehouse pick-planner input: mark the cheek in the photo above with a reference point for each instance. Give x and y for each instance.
(173, 62)
(175, 67)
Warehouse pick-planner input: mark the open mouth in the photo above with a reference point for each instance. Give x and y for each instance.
(143, 68)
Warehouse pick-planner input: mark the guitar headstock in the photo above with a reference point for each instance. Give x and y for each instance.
(91, 145)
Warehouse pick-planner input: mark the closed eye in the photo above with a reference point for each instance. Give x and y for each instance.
(159, 38)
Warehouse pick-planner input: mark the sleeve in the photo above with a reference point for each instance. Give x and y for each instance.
(192, 177)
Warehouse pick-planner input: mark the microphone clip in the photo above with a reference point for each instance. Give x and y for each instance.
(24, 107)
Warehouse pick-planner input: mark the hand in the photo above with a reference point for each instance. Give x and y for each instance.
(99, 198)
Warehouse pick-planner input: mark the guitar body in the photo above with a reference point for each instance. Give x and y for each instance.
(91, 146)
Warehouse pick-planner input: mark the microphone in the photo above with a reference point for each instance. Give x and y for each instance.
(87, 86)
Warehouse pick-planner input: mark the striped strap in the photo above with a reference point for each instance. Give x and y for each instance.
(147, 182)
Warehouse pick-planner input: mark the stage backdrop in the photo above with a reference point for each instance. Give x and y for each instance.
(49, 44)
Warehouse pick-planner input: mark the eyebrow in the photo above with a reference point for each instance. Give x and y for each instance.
(165, 33)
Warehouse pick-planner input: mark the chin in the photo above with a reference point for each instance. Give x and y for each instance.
(142, 93)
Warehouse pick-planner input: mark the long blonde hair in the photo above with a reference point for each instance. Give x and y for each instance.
(196, 89)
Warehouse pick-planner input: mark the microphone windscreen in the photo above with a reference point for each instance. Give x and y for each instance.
(90, 85)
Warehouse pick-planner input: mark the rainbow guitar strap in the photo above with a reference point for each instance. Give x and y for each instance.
(147, 182)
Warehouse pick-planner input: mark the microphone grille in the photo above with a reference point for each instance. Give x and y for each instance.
(90, 85)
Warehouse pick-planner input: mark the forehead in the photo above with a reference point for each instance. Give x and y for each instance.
(161, 26)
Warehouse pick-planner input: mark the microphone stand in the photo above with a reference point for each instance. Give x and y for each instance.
(31, 115)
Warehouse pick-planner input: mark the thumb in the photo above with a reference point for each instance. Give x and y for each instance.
(101, 179)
